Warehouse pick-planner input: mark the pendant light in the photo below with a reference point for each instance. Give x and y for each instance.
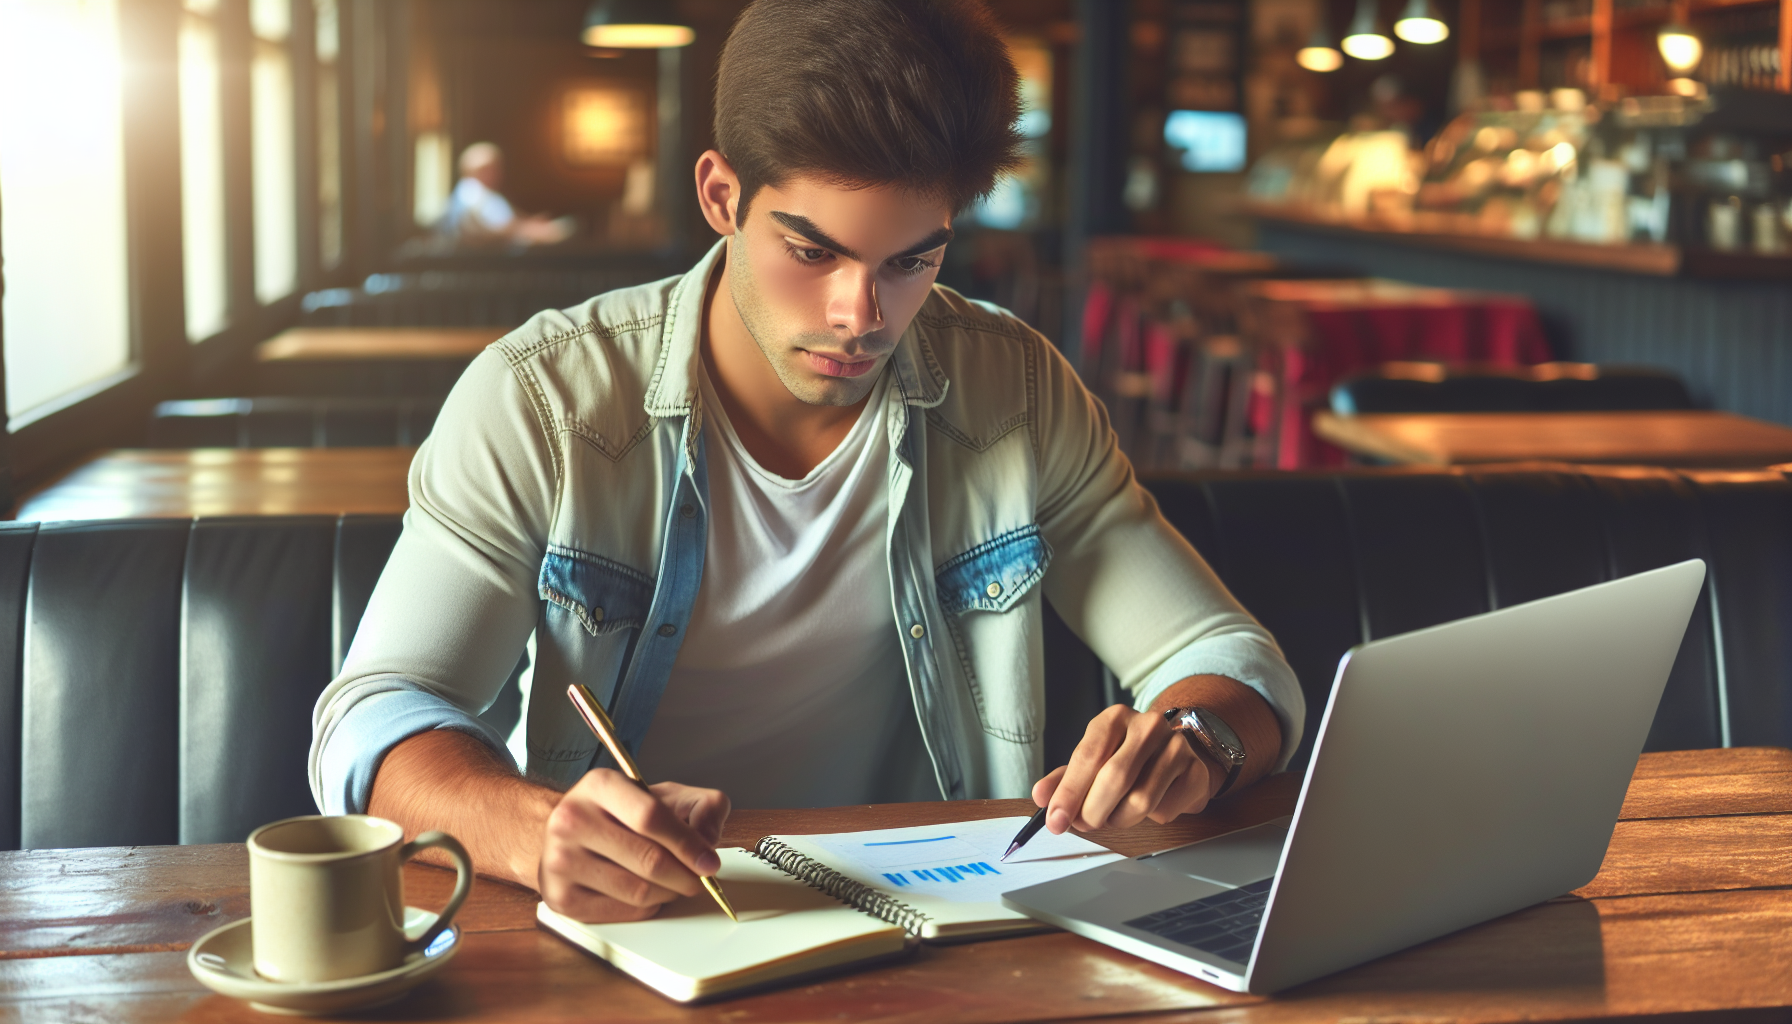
(1419, 23)
(1681, 51)
(1320, 54)
(634, 25)
(1365, 40)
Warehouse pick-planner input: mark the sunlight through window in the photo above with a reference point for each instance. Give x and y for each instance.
(67, 301)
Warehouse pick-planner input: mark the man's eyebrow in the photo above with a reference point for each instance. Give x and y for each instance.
(806, 227)
(928, 244)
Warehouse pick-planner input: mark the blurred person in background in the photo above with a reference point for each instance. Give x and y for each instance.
(478, 214)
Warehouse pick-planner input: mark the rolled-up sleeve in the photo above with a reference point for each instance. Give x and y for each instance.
(1126, 581)
(457, 600)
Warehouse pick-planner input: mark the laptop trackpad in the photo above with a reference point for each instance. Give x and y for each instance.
(1237, 858)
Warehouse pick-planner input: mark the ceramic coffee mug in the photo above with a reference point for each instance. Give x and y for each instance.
(326, 896)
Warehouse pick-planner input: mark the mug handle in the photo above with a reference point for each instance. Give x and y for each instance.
(463, 881)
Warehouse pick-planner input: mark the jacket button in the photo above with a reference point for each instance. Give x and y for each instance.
(993, 590)
(688, 511)
(917, 631)
(597, 614)
(668, 629)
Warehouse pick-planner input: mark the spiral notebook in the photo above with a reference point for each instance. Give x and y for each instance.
(815, 904)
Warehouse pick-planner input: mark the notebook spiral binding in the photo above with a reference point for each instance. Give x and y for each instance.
(818, 875)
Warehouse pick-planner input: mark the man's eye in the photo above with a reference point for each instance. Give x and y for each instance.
(914, 265)
(808, 255)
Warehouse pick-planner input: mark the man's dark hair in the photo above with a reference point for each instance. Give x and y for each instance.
(919, 94)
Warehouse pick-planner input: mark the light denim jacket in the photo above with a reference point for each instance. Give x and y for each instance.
(561, 502)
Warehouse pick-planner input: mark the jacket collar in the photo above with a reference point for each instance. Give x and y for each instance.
(673, 391)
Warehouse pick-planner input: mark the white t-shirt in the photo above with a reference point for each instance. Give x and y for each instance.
(790, 689)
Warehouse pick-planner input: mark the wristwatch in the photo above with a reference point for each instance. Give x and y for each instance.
(1207, 734)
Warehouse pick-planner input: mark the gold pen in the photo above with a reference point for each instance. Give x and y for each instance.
(593, 714)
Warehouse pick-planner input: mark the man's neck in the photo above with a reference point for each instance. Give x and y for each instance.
(785, 436)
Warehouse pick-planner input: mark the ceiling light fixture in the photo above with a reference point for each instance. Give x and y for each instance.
(1680, 49)
(633, 25)
(1320, 54)
(1365, 40)
(1419, 23)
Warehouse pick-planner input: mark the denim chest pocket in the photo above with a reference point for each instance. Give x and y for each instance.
(1000, 654)
(605, 596)
(994, 575)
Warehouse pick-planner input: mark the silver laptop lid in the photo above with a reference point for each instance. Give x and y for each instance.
(1468, 770)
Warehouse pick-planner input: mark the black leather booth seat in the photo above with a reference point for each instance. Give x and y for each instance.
(159, 675)
(1330, 560)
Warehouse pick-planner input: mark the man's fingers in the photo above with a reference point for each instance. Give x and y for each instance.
(1044, 788)
(588, 905)
(1187, 794)
(573, 867)
(648, 817)
(1106, 733)
(1154, 780)
(1144, 739)
(705, 810)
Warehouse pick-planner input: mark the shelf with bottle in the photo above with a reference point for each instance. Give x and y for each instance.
(1659, 185)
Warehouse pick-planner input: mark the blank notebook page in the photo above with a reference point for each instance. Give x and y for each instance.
(691, 949)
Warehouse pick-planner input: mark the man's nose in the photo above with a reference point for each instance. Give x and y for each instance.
(852, 303)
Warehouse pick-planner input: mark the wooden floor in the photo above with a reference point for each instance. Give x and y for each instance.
(182, 483)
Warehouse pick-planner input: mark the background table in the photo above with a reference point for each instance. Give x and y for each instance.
(369, 361)
(301, 344)
(1660, 438)
(181, 483)
(1691, 913)
(1308, 335)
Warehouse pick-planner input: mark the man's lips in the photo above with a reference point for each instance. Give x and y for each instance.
(832, 367)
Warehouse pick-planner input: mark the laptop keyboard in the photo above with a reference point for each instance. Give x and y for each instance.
(1224, 925)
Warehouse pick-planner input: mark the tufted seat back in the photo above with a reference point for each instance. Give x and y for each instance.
(1327, 560)
(166, 670)
(157, 676)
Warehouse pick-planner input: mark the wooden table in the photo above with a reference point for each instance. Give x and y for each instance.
(181, 483)
(1691, 913)
(335, 344)
(1662, 438)
(370, 361)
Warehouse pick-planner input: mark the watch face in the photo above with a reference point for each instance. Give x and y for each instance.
(1219, 732)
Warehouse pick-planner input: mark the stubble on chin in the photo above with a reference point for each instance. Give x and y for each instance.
(785, 357)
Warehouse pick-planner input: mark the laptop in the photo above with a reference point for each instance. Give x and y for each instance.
(1460, 773)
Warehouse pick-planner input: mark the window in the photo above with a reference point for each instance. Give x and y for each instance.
(203, 251)
(67, 302)
(329, 135)
(273, 164)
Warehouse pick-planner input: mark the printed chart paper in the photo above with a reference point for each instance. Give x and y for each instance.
(960, 862)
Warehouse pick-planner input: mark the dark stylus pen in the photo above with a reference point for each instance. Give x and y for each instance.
(1027, 831)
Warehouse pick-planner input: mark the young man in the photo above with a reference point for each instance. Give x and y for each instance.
(792, 517)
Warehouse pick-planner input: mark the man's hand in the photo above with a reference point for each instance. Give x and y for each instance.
(1132, 765)
(613, 851)
(605, 850)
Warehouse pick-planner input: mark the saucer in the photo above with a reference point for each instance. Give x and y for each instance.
(224, 961)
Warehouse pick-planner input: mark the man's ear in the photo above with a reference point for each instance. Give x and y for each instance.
(718, 191)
